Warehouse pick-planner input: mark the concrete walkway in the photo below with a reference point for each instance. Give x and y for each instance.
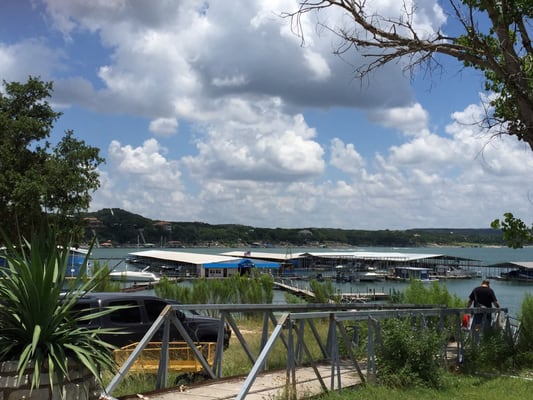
(267, 386)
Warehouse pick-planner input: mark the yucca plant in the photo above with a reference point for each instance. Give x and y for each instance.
(38, 324)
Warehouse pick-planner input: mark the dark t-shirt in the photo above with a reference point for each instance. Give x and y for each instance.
(483, 296)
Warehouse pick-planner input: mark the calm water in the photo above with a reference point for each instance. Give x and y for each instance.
(509, 294)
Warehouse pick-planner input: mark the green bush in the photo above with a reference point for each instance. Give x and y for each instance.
(493, 352)
(498, 351)
(293, 299)
(525, 337)
(436, 293)
(324, 291)
(409, 354)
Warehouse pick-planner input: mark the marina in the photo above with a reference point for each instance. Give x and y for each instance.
(510, 293)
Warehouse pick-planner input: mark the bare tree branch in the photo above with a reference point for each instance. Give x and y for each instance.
(503, 51)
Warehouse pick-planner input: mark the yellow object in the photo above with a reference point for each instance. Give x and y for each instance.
(180, 356)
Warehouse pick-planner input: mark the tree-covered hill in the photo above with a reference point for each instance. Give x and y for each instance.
(122, 228)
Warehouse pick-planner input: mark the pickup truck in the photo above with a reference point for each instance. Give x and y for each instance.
(138, 313)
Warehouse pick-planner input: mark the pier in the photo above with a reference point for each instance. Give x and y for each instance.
(360, 297)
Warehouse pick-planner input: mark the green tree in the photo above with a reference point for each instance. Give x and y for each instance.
(494, 38)
(514, 231)
(39, 179)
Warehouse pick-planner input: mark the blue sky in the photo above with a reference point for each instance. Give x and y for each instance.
(214, 112)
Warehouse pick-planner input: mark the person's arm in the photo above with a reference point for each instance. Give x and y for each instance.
(470, 299)
(494, 300)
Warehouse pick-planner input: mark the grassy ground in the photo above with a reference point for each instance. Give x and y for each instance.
(457, 387)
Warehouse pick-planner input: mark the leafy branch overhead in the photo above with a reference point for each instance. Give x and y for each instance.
(494, 37)
(515, 232)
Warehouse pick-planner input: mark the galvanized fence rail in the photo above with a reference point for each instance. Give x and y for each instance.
(286, 324)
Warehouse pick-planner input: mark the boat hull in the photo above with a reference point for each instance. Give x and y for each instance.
(133, 276)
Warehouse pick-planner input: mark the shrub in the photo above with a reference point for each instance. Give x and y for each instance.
(493, 352)
(436, 293)
(324, 291)
(525, 337)
(409, 355)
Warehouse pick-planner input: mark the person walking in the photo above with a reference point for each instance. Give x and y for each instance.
(482, 296)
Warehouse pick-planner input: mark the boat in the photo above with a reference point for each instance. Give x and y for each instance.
(133, 276)
(76, 261)
(405, 274)
(453, 272)
(371, 276)
(523, 272)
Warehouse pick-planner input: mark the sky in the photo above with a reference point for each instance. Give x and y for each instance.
(217, 112)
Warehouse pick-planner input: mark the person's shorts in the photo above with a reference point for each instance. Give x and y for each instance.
(478, 318)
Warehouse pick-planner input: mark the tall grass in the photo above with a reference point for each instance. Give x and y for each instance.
(236, 289)
(436, 293)
(324, 291)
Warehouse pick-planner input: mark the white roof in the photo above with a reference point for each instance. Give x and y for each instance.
(262, 255)
(181, 256)
(523, 264)
(357, 255)
(374, 255)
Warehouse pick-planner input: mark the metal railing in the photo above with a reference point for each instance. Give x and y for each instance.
(286, 323)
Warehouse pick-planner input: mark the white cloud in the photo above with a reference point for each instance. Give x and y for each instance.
(241, 86)
(259, 144)
(164, 126)
(144, 181)
(401, 191)
(19, 60)
(345, 157)
(199, 52)
(412, 119)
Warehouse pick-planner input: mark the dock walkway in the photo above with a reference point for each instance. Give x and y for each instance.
(268, 385)
(345, 297)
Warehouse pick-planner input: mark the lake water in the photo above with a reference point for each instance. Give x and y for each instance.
(509, 294)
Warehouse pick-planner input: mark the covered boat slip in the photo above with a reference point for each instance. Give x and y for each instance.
(332, 264)
(193, 265)
(520, 271)
(328, 264)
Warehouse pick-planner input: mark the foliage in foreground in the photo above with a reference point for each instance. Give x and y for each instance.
(495, 352)
(410, 354)
(37, 326)
(525, 338)
(515, 232)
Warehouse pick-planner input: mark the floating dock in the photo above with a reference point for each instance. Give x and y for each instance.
(365, 297)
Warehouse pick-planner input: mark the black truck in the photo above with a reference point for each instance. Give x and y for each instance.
(137, 314)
